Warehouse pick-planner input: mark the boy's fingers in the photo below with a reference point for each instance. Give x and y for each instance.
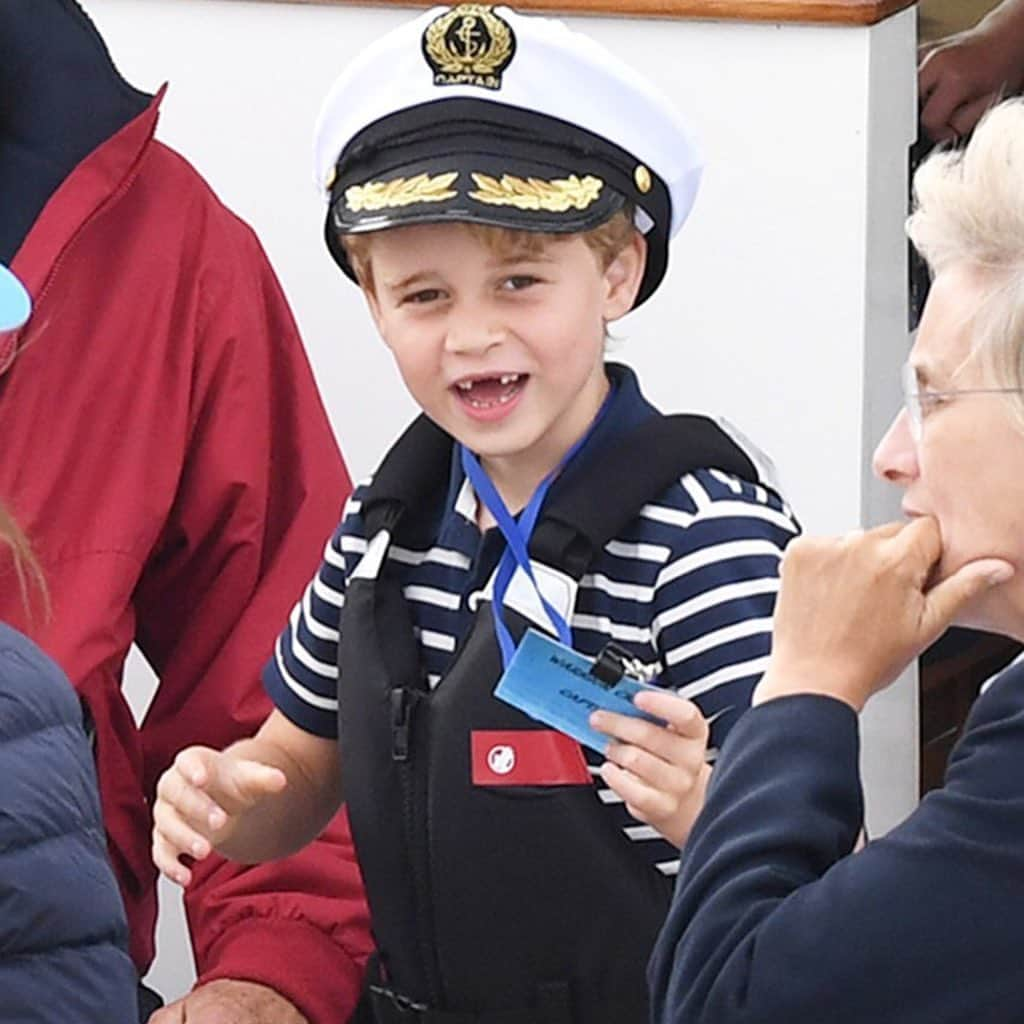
(178, 833)
(192, 804)
(673, 777)
(642, 735)
(681, 740)
(682, 715)
(642, 801)
(165, 857)
(196, 764)
(247, 782)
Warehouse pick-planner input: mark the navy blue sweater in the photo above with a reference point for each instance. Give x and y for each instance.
(775, 922)
(63, 936)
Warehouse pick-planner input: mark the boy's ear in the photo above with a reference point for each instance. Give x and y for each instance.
(623, 277)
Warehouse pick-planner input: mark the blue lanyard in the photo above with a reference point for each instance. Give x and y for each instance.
(517, 537)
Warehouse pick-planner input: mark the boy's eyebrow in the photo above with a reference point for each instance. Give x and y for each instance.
(525, 256)
(405, 282)
(507, 260)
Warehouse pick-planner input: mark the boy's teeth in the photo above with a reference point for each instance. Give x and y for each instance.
(501, 400)
(505, 379)
(485, 392)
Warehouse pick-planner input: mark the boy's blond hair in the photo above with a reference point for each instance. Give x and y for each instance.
(606, 241)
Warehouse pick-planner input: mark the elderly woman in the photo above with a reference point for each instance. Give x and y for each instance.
(63, 936)
(775, 918)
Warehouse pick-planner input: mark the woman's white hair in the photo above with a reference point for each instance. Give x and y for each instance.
(969, 210)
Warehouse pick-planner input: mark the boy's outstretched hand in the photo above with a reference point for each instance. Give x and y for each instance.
(660, 771)
(199, 799)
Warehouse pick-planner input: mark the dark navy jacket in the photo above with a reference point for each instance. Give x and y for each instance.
(774, 922)
(63, 936)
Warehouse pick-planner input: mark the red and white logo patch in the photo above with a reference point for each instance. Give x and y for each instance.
(501, 758)
(526, 757)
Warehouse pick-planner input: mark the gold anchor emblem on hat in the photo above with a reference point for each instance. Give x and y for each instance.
(469, 45)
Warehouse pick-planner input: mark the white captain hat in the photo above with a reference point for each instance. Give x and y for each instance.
(477, 113)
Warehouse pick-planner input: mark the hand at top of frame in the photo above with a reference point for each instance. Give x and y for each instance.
(854, 610)
(230, 1002)
(961, 76)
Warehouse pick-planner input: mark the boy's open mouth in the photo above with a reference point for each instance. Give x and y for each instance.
(488, 392)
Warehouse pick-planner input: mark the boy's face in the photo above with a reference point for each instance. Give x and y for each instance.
(504, 352)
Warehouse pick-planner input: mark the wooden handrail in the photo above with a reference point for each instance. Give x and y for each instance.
(828, 12)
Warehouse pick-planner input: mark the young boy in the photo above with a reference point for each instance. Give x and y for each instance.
(502, 189)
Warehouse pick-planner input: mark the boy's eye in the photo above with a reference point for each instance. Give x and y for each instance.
(423, 296)
(517, 282)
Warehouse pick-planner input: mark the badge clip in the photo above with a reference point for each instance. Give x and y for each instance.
(614, 663)
(610, 665)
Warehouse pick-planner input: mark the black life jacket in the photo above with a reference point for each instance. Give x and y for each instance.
(503, 904)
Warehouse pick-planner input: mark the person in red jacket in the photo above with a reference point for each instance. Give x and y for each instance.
(168, 455)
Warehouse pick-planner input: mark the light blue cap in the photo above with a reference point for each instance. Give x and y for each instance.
(15, 305)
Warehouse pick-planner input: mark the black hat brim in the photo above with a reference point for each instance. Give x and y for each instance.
(465, 160)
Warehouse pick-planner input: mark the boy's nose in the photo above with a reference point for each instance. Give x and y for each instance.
(472, 332)
(895, 458)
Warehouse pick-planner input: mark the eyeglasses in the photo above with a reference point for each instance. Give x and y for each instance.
(919, 403)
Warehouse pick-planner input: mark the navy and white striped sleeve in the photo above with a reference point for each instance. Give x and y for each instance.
(715, 596)
(302, 676)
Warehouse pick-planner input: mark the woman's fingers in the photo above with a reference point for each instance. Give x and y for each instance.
(945, 599)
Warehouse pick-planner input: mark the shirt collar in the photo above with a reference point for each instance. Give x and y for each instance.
(627, 409)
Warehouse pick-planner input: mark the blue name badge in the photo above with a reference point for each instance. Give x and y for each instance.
(557, 686)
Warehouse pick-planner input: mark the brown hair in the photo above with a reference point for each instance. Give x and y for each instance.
(31, 582)
(606, 241)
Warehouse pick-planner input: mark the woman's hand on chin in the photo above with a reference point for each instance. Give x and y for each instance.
(853, 611)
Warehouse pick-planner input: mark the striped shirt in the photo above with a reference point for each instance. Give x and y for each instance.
(688, 589)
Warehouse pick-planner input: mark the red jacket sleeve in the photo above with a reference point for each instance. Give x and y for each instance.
(261, 489)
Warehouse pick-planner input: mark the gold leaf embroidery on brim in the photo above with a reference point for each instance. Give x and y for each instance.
(385, 195)
(557, 196)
